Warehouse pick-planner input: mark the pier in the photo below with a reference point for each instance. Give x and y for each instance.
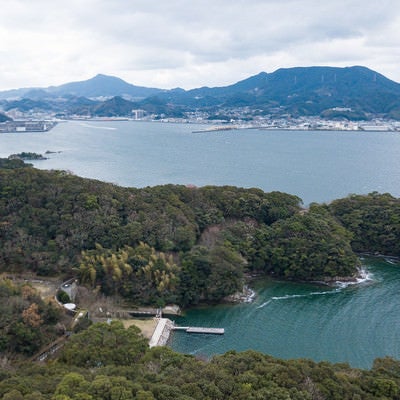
(165, 326)
(198, 329)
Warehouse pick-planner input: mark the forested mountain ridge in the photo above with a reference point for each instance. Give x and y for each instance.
(307, 91)
(174, 243)
(163, 244)
(329, 92)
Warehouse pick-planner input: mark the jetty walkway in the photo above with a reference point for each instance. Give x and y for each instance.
(198, 329)
(165, 326)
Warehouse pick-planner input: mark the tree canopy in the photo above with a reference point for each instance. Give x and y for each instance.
(162, 244)
(110, 362)
(181, 244)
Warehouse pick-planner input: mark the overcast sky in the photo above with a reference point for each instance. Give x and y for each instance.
(191, 43)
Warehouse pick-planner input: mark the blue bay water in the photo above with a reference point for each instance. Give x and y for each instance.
(288, 320)
(353, 324)
(316, 166)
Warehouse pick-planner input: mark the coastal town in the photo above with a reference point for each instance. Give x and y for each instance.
(237, 120)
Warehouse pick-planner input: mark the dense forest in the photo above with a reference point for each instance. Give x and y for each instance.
(172, 244)
(181, 244)
(27, 322)
(374, 221)
(108, 362)
(166, 243)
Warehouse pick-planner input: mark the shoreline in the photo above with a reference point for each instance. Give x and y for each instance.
(161, 333)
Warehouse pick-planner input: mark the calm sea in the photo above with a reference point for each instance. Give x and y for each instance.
(316, 166)
(352, 324)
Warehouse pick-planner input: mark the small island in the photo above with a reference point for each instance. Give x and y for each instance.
(27, 156)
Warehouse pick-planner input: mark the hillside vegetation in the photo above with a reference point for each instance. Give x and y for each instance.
(178, 244)
(107, 362)
(172, 243)
(162, 244)
(374, 221)
(27, 322)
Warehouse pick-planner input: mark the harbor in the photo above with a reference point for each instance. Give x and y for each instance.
(165, 326)
(26, 126)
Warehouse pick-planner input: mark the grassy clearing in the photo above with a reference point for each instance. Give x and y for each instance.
(147, 326)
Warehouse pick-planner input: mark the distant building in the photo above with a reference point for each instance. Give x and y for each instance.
(138, 114)
(26, 126)
(376, 128)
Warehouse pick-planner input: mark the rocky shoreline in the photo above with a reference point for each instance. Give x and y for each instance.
(247, 295)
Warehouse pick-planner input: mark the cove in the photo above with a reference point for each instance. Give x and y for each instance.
(346, 323)
(354, 324)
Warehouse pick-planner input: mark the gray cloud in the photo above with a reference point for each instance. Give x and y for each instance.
(190, 44)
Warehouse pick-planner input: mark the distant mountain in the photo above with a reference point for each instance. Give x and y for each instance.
(27, 104)
(4, 118)
(98, 86)
(117, 107)
(103, 86)
(304, 91)
(13, 93)
(352, 93)
(114, 107)
(37, 94)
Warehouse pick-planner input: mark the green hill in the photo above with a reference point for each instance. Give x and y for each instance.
(351, 93)
(163, 244)
(108, 362)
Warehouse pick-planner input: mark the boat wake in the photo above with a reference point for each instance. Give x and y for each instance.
(296, 296)
(108, 128)
(364, 276)
(264, 304)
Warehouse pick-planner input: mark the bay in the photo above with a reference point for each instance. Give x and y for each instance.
(354, 324)
(314, 165)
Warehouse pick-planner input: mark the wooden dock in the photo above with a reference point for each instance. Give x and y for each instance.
(197, 329)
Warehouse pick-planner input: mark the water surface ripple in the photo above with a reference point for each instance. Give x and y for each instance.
(350, 323)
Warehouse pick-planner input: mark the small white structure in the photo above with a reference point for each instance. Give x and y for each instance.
(70, 306)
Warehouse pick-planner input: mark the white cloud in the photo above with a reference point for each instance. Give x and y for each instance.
(191, 44)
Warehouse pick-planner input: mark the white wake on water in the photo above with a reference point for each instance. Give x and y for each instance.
(109, 128)
(363, 277)
(264, 304)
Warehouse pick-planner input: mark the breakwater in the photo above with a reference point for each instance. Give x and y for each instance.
(161, 333)
(165, 326)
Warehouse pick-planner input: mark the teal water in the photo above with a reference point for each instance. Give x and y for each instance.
(354, 323)
(317, 166)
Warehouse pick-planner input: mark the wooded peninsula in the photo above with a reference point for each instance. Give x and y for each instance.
(182, 245)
